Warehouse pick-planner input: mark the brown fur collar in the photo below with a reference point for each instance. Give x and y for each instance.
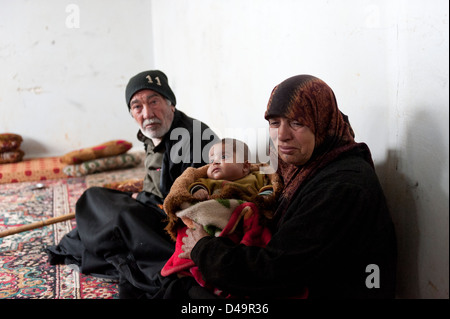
(179, 195)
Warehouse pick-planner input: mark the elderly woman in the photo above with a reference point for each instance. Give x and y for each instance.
(332, 232)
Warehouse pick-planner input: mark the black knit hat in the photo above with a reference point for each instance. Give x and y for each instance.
(154, 80)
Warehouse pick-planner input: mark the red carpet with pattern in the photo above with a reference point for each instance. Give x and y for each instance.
(24, 270)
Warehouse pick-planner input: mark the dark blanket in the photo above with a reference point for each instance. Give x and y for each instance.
(120, 238)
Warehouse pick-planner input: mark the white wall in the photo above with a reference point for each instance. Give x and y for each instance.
(62, 84)
(386, 60)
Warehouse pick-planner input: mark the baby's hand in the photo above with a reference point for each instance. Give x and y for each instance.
(201, 194)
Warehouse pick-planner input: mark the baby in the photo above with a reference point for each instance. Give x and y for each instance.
(228, 197)
(229, 178)
(228, 163)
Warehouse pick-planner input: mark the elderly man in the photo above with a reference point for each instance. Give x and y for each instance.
(121, 235)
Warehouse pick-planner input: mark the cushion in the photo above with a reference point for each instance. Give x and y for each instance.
(28, 170)
(11, 156)
(107, 149)
(9, 142)
(102, 164)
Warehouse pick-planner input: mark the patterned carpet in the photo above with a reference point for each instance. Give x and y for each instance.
(24, 271)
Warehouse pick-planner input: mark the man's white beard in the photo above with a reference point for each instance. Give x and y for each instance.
(145, 134)
(151, 133)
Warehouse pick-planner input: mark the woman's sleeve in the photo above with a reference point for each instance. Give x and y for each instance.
(315, 234)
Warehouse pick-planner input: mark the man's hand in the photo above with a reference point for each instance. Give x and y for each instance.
(134, 195)
(189, 241)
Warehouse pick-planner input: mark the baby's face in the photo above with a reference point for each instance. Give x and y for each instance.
(223, 164)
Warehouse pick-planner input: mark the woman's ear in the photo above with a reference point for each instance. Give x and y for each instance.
(246, 167)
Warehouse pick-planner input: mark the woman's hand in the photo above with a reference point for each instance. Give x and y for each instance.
(189, 241)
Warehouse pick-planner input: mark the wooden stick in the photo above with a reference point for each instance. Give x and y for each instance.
(49, 221)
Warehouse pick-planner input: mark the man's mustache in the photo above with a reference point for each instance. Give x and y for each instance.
(151, 121)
